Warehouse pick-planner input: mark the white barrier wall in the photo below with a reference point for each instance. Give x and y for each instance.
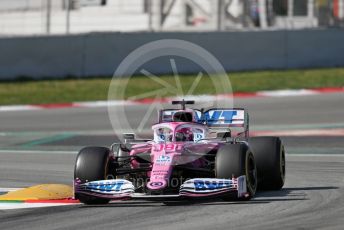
(99, 54)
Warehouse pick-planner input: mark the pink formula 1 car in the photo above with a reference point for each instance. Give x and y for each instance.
(194, 154)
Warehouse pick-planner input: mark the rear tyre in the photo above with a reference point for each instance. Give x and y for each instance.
(237, 160)
(92, 163)
(270, 159)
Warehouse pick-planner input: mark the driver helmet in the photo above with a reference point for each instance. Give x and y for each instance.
(184, 134)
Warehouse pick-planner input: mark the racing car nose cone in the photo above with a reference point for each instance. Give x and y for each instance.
(156, 184)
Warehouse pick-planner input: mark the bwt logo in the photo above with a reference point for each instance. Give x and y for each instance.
(225, 116)
(106, 187)
(211, 185)
(164, 159)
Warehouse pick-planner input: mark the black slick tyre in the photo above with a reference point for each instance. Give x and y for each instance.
(270, 160)
(92, 164)
(237, 160)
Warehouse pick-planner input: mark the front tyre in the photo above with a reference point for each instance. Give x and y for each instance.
(92, 164)
(270, 159)
(237, 160)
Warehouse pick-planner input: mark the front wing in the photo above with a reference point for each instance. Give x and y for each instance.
(120, 189)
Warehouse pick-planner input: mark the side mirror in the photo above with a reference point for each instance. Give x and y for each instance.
(128, 136)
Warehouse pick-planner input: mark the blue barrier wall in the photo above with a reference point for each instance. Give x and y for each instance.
(98, 54)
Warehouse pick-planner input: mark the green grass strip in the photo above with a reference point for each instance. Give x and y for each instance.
(70, 90)
(12, 201)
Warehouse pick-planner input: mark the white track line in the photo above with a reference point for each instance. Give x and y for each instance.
(9, 189)
(18, 108)
(2, 151)
(8, 206)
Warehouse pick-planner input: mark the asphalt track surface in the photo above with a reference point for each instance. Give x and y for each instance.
(312, 198)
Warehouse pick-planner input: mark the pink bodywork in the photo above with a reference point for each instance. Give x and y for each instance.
(165, 155)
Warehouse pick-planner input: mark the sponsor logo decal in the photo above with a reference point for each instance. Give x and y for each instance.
(105, 187)
(224, 117)
(210, 185)
(161, 137)
(155, 184)
(220, 116)
(159, 173)
(164, 159)
(206, 186)
(198, 136)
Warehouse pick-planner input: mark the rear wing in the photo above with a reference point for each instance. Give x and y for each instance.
(223, 118)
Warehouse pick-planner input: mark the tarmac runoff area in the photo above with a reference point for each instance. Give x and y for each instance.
(312, 197)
